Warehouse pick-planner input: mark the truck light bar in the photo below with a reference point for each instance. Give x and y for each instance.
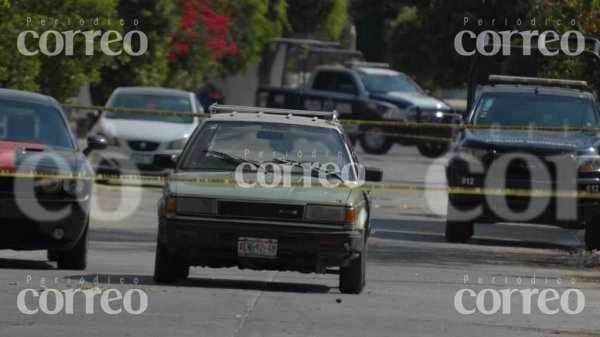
(551, 82)
(216, 108)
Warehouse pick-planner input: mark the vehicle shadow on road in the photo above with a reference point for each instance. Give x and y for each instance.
(25, 264)
(194, 282)
(423, 241)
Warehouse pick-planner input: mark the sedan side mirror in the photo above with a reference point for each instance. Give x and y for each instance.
(373, 174)
(165, 161)
(95, 143)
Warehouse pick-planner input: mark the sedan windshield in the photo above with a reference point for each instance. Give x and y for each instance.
(151, 102)
(389, 83)
(33, 123)
(225, 145)
(535, 110)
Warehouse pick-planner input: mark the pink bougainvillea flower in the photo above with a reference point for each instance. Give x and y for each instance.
(187, 6)
(181, 47)
(187, 20)
(222, 19)
(193, 35)
(207, 11)
(233, 48)
(172, 57)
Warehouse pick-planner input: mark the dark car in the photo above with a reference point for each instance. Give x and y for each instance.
(535, 140)
(44, 193)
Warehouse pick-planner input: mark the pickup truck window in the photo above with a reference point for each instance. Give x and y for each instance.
(345, 83)
(389, 83)
(324, 80)
(535, 110)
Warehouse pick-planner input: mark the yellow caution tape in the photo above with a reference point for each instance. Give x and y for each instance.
(161, 180)
(389, 123)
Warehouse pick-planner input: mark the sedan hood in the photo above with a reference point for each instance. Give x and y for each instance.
(38, 157)
(408, 99)
(295, 194)
(145, 130)
(526, 141)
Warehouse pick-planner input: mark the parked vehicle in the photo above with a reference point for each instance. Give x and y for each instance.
(134, 138)
(532, 157)
(372, 92)
(48, 209)
(299, 228)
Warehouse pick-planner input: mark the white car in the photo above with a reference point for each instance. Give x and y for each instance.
(134, 138)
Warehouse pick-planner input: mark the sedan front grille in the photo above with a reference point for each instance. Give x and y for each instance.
(143, 145)
(260, 210)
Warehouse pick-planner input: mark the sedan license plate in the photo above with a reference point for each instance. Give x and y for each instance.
(142, 158)
(254, 247)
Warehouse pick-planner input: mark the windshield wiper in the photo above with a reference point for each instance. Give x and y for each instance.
(315, 171)
(230, 159)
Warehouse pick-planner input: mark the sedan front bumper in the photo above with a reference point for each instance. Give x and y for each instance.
(214, 243)
(20, 230)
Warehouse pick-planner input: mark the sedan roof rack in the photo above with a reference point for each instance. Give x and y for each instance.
(217, 108)
(550, 82)
(358, 64)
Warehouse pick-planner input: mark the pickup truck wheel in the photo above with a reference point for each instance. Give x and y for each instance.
(353, 277)
(433, 150)
(168, 268)
(373, 140)
(74, 258)
(459, 231)
(592, 236)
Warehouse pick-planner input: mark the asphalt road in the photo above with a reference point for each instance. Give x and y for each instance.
(413, 277)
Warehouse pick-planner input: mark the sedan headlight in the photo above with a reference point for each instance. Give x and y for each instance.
(589, 163)
(191, 205)
(177, 145)
(74, 186)
(50, 185)
(335, 214)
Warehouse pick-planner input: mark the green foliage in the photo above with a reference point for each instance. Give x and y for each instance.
(370, 18)
(323, 19)
(419, 39)
(59, 76)
(181, 53)
(156, 20)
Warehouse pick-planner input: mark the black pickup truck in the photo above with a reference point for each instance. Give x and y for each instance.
(371, 92)
(533, 135)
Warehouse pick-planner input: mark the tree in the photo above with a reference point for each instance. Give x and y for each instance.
(61, 75)
(421, 36)
(370, 18)
(156, 19)
(322, 19)
(221, 37)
